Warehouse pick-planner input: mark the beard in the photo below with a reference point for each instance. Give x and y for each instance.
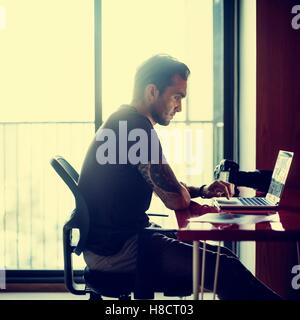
(157, 116)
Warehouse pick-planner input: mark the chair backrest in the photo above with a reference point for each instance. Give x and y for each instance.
(80, 216)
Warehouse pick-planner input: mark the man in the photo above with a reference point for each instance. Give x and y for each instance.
(125, 164)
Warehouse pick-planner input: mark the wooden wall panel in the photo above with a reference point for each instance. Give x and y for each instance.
(278, 124)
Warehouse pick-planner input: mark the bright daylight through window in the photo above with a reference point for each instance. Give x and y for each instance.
(47, 103)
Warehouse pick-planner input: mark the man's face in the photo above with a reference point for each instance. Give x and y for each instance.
(168, 103)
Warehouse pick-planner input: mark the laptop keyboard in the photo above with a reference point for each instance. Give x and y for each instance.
(253, 201)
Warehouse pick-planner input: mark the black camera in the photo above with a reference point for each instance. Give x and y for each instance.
(228, 170)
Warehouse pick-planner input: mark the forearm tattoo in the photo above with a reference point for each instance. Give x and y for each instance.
(160, 176)
(193, 191)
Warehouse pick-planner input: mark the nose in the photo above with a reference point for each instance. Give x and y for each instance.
(179, 107)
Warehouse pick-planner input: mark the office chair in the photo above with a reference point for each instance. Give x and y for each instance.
(98, 283)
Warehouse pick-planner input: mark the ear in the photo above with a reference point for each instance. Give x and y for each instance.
(151, 93)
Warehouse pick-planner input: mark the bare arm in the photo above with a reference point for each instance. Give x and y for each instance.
(193, 191)
(217, 188)
(163, 182)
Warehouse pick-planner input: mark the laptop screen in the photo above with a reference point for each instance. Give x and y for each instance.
(279, 176)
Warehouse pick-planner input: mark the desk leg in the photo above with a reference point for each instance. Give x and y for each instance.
(203, 269)
(217, 270)
(196, 269)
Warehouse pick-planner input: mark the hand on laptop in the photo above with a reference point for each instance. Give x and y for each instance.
(219, 188)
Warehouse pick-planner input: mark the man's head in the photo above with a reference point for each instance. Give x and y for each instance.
(161, 82)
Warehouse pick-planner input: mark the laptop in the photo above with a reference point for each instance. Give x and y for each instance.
(271, 201)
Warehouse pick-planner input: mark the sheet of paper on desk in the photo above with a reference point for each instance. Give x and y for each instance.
(235, 218)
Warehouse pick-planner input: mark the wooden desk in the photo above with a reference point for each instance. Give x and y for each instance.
(285, 228)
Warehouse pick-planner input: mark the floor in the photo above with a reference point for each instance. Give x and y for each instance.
(69, 296)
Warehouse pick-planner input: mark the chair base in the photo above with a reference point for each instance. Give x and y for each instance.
(95, 296)
(122, 285)
(114, 285)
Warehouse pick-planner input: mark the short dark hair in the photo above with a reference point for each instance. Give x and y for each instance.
(159, 70)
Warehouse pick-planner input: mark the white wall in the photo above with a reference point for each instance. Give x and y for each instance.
(248, 106)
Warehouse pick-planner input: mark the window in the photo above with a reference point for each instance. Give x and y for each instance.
(47, 108)
(47, 101)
